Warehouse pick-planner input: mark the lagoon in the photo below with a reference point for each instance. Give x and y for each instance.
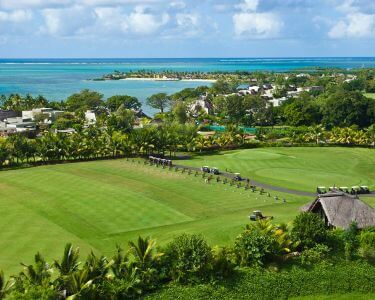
(58, 78)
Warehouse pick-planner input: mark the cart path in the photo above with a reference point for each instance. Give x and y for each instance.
(265, 185)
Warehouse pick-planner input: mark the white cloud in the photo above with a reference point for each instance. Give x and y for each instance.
(188, 24)
(16, 16)
(355, 25)
(15, 4)
(85, 22)
(67, 21)
(248, 5)
(144, 23)
(111, 19)
(178, 4)
(257, 25)
(41, 4)
(187, 20)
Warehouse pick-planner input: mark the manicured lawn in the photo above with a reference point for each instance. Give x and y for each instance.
(300, 168)
(370, 95)
(96, 205)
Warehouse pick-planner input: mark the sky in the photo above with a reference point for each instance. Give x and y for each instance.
(186, 28)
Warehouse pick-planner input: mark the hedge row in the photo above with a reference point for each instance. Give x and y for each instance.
(348, 277)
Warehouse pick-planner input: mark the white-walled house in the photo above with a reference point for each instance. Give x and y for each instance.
(277, 101)
(200, 104)
(90, 117)
(51, 114)
(17, 124)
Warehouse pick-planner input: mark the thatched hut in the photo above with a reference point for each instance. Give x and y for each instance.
(339, 209)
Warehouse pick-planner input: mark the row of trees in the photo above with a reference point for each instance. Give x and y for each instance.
(99, 142)
(94, 142)
(187, 259)
(319, 135)
(78, 102)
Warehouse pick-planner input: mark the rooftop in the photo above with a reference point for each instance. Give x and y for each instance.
(341, 209)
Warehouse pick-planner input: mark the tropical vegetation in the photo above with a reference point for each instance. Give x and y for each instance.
(274, 253)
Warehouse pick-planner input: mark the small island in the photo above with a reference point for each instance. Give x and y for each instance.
(237, 76)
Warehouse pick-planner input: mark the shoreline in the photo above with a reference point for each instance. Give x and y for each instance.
(167, 79)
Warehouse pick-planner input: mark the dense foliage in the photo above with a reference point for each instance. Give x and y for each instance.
(309, 230)
(323, 279)
(279, 268)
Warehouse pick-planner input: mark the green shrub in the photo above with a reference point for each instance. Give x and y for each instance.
(315, 255)
(351, 241)
(223, 264)
(308, 230)
(335, 240)
(126, 288)
(367, 245)
(340, 278)
(263, 242)
(254, 247)
(35, 292)
(190, 258)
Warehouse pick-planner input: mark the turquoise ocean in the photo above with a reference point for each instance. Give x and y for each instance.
(58, 78)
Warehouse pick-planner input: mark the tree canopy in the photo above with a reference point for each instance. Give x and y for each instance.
(128, 102)
(84, 100)
(301, 111)
(345, 108)
(159, 101)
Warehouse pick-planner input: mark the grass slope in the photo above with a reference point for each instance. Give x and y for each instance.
(370, 95)
(300, 168)
(96, 205)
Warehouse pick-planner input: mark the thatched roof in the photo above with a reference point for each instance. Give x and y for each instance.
(341, 209)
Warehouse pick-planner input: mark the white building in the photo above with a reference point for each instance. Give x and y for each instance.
(90, 117)
(200, 104)
(278, 101)
(17, 124)
(50, 114)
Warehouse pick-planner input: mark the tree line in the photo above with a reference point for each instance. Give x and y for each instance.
(94, 142)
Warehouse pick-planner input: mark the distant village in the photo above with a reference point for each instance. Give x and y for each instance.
(265, 86)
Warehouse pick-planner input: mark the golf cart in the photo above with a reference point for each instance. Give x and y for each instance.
(215, 171)
(364, 189)
(205, 169)
(344, 189)
(237, 177)
(355, 190)
(257, 215)
(321, 190)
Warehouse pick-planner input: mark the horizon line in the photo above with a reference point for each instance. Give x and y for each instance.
(203, 57)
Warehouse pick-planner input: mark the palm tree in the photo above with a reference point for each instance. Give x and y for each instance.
(144, 252)
(370, 131)
(97, 267)
(316, 133)
(69, 262)
(120, 264)
(4, 151)
(202, 143)
(5, 286)
(283, 243)
(79, 285)
(38, 274)
(145, 259)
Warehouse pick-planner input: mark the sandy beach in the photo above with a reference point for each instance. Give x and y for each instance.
(169, 79)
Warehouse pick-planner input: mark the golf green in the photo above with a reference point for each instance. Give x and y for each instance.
(299, 168)
(96, 205)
